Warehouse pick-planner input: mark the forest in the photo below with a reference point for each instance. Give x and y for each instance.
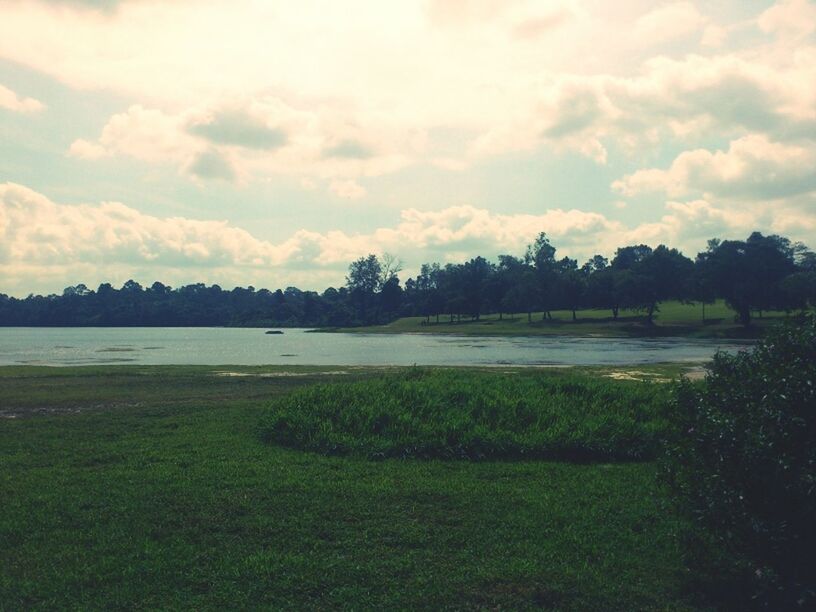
(753, 275)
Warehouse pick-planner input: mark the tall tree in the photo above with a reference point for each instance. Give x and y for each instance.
(747, 273)
(363, 281)
(541, 255)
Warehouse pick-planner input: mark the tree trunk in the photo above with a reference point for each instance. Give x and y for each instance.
(574, 317)
(650, 314)
(615, 310)
(529, 317)
(500, 315)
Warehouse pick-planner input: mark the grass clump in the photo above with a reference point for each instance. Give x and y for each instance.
(451, 414)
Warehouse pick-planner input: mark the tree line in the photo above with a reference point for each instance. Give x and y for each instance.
(757, 274)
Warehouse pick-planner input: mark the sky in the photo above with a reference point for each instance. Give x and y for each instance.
(272, 143)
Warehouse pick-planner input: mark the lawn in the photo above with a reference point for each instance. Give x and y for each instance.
(673, 319)
(145, 487)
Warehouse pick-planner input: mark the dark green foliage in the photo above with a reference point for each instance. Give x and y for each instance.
(743, 465)
(758, 274)
(748, 273)
(462, 415)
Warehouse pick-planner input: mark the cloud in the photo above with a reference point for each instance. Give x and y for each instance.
(84, 149)
(534, 27)
(789, 18)
(238, 127)
(45, 245)
(513, 75)
(258, 136)
(349, 149)
(347, 189)
(465, 12)
(99, 5)
(13, 102)
(212, 165)
(714, 36)
(145, 134)
(38, 231)
(667, 23)
(668, 100)
(693, 223)
(752, 168)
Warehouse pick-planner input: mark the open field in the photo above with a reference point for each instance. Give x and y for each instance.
(148, 487)
(673, 319)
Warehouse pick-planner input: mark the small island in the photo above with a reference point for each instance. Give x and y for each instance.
(274, 332)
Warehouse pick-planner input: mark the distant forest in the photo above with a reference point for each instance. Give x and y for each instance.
(756, 274)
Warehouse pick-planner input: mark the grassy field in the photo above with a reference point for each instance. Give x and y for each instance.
(145, 487)
(673, 319)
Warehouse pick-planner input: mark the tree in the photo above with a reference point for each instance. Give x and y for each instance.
(363, 281)
(523, 295)
(747, 273)
(571, 285)
(390, 297)
(667, 273)
(474, 276)
(647, 277)
(541, 255)
(501, 281)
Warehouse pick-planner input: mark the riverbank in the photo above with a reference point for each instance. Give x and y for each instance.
(136, 486)
(674, 319)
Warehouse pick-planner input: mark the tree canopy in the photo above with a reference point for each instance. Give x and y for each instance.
(752, 275)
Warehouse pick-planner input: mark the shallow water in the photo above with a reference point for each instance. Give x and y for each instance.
(64, 346)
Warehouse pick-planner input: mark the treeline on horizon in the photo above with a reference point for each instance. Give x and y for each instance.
(757, 274)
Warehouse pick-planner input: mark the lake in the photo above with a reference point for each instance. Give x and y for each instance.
(69, 346)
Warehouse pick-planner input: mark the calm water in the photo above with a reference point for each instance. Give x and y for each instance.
(220, 346)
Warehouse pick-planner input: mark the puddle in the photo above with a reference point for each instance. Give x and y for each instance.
(280, 374)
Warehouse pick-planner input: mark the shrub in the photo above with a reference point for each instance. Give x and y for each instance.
(742, 465)
(473, 415)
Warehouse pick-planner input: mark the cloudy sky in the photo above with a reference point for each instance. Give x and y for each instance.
(271, 143)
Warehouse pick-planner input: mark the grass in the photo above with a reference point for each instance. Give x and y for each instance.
(454, 414)
(135, 487)
(673, 319)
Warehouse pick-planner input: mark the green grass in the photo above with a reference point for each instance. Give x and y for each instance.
(673, 319)
(460, 415)
(133, 487)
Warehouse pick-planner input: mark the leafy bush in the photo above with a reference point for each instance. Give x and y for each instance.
(742, 464)
(472, 415)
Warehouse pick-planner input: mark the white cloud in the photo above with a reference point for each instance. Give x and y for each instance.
(667, 23)
(347, 189)
(693, 222)
(714, 36)
(85, 149)
(753, 168)
(289, 91)
(43, 243)
(13, 102)
(254, 137)
(789, 18)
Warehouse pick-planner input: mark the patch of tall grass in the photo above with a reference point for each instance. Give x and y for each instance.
(451, 414)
